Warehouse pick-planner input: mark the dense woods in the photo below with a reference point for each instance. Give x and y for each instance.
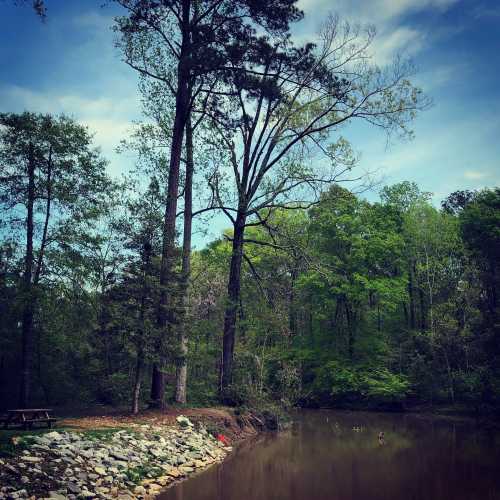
(313, 296)
(385, 303)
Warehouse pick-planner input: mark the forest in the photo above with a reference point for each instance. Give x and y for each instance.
(327, 289)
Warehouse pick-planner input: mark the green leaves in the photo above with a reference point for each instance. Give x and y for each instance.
(480, 224)
(377, 384)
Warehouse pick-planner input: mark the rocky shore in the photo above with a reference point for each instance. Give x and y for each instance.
(128, 463)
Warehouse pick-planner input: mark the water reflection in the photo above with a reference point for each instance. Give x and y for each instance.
(329, 455)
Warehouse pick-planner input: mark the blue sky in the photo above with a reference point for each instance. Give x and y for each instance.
(69, 64)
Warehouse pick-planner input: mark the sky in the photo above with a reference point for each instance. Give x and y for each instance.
(69, 64)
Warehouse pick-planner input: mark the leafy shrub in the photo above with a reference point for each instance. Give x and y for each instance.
(115, 389)
(335, 382)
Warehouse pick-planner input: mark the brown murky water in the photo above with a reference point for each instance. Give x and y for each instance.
(325, 457)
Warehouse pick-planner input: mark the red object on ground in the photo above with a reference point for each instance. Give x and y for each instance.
(223, 439)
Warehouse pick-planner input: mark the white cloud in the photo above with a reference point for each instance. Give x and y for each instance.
(475, 175)
(401, 40)
(109, 119)
(94, 20)
(447, 154)
(395, 8)
(393, 36)
(486, 11)
(441, 76)
(375, 11)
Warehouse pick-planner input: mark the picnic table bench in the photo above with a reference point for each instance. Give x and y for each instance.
(26, 417)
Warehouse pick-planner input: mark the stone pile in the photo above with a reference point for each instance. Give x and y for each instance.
(131, 463)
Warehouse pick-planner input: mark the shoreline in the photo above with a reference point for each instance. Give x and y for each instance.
(123, 457)
(129, 457)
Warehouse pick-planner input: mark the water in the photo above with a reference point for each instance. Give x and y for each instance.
(332, 455)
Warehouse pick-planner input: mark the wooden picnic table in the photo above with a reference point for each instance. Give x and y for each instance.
(26, 417)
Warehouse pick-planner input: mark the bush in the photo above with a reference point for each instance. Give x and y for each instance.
(115, 389)
(336, 383)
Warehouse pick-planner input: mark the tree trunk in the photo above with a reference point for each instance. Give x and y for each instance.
(292, 314)
(423, 323)
(139, 368)
(137, 382)
(451, 384)
(181, 370)
(233, 295)
(165, 309)
(350, 332)
(157, 386)
(430, 290)
(43, 243)
(28, 299)
(411, 294)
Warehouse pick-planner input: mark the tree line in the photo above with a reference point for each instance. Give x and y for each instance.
(101, 291)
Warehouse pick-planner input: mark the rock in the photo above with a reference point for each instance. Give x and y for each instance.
(53, 436)
(94, 468)
(42, 447)
(155, 486)
(174, 472)
(184, 421)
(156, 453)
(12, 470)
(57, 496)
(19, 494)
(73, 488)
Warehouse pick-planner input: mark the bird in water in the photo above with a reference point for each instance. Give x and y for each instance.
(356, 428)
(381, 438)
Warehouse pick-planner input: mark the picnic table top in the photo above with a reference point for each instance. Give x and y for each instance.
(28, 410)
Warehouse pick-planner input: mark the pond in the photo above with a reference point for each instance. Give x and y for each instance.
(336, 455)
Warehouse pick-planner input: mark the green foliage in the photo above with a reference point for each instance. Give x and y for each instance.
(480, 224)
(382, 385)
(139, 473)
(105, 434)
(354, 303)
(340, 383)
(11, 444)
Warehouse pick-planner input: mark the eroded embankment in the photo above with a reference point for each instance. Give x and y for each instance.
(119, 457)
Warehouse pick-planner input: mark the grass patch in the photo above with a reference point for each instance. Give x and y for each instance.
(137, 474)
(14, 441)
(104, 434)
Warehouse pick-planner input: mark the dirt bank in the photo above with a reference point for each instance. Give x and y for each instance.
(120, 456)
